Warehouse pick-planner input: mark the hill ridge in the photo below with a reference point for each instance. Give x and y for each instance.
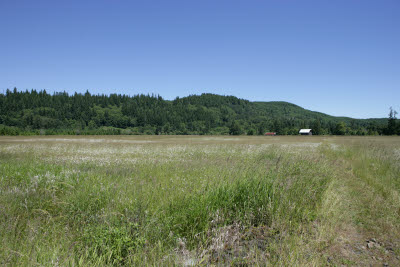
(33, 112)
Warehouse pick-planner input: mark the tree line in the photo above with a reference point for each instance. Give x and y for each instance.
(38, 112)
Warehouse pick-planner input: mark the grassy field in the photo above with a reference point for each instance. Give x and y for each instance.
(203, 200)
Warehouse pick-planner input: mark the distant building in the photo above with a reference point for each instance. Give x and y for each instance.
(305, 132)
(270, 134)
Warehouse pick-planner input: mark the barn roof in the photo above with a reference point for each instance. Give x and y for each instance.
(304, 131)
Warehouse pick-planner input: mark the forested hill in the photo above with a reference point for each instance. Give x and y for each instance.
(37, 112)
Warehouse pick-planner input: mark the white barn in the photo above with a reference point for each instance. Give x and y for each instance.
(305, 132)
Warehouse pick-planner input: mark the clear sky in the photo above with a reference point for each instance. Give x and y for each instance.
(339, 57)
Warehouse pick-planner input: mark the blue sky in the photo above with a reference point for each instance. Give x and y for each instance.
(339, 57)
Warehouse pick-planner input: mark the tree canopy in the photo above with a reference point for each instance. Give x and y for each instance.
(38, 112)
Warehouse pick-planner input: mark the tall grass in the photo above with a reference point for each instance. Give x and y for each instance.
(113, 204)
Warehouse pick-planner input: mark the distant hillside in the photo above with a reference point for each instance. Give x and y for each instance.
(37, 112)
(289, 110)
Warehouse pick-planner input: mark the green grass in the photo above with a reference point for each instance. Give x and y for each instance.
(199, 200)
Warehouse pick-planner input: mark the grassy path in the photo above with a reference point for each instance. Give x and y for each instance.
(365, 202)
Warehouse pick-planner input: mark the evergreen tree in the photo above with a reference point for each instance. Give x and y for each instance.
(316, 127)
(392, 128)
(235, 128)
(340, 129)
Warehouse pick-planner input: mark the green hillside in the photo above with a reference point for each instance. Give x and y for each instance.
(37, 112)
(289, 110)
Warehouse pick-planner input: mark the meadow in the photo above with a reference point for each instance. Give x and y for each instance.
(199, 200)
